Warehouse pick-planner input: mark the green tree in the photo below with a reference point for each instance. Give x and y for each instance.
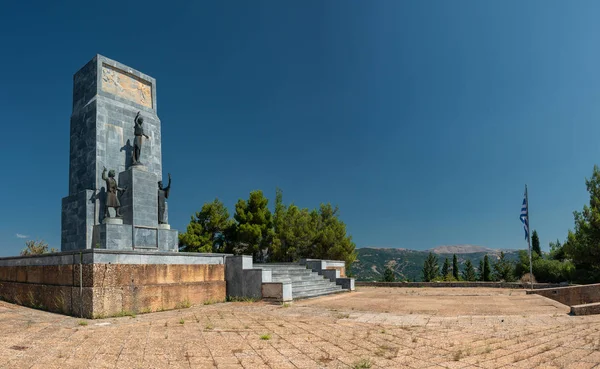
(207, 229)
(331, 241)
(388, 275)
(295, 231)
(36, 248)
(455, 270)
(504, 269)
(557, 251)
(431, 269)
(545, 270)
(254, 229)
(480, 271)
(487, 270)
(446, 269)
(535, 243)
(469, 272)
(583, 244)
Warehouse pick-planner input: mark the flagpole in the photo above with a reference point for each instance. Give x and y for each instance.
(529, 239)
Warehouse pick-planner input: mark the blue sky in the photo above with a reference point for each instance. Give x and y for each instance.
(422, 120)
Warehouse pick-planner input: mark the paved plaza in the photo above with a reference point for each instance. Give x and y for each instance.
(372, 327)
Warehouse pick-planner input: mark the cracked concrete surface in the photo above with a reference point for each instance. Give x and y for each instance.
(383, 327)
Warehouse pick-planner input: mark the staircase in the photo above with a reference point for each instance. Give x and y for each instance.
(305, 282)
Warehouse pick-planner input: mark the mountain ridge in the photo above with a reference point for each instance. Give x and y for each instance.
(407, 264)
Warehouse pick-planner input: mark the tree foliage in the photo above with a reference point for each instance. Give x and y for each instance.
(535, 243)
(480, 271)
(254, 228)
(431, 269)
(545, 270)
(208, 229)
(455, 270)
(446, 272)
(583, 243)
(294, 231)
(557, 251)
(487, 270)
(36, 248)
(290, 233)
(504, 269)
(388, 275)
(469, 272)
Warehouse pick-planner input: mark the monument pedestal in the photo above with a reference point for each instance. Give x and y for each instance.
(138, 229)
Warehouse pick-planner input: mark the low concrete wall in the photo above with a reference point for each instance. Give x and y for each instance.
(277, 291)
(242, 279)
(346, 283)
(100, 283)
(454, 284)
(586, 309)
(572, 295)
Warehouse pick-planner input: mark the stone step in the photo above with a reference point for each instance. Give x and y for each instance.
(283, 275)
(280, 266)
(317, 279)
(315, 292)
(310, 287)
(291, 271)
(307, 282)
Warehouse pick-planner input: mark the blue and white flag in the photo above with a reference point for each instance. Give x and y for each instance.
(525, 216)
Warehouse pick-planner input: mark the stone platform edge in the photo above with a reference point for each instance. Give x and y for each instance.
(104, 283)
(515, 285)
(583, 299)
(102, 256)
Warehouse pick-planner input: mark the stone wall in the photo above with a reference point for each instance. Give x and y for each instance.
(572, 295)
(454, 284)
(93, 284)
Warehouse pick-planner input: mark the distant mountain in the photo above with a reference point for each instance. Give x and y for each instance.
(408, 264)
(459, 249)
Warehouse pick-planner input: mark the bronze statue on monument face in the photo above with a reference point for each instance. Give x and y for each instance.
(163, 194)
(137, 142)
(112, 200)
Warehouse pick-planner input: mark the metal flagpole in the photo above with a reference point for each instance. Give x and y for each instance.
(529, 239)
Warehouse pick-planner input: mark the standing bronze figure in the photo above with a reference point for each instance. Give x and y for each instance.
(137, 142)
(112, 200)
(163, 194)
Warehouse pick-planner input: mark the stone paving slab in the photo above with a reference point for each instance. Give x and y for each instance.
(380, 327)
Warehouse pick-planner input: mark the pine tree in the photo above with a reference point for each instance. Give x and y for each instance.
(582, 243)
(388, 275)
(469, 272)
(430, 268)
(487, 270)
(455, 271)
(503, 269)
(208, 229)
(254, 228)
(446, 269)
(535, 243)
(480, 271)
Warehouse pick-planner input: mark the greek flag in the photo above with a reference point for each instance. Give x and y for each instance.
(525, 216)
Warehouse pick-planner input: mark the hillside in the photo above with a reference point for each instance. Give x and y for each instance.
(407, 264)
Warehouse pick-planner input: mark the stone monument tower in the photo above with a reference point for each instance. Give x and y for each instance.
(115, 129)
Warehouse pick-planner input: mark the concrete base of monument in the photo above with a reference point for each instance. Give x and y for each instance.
(125, 237)
(97, 283)
(112, 221)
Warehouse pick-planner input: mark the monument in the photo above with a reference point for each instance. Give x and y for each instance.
(118, 252)
(113, 106)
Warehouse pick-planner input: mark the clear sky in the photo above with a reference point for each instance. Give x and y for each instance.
(422, 120)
